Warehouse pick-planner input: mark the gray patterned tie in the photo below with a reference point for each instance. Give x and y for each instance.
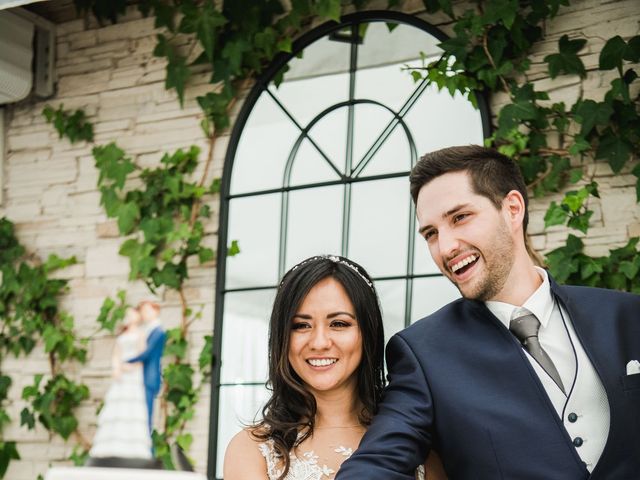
(525, 329)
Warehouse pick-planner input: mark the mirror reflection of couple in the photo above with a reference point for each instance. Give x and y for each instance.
(520, 379)
(125, 421)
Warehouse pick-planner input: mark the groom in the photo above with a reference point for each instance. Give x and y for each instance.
(151, 356)
(521, 378)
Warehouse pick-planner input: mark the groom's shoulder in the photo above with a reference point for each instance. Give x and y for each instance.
(441, 319)
(599, 296)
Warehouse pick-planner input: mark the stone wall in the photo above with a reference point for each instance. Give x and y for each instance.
(50, 186)
(51, 196)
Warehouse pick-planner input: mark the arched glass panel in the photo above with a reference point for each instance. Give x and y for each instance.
(319, 164)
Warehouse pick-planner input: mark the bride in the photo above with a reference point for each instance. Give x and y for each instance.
(123, 430)
(326, 347)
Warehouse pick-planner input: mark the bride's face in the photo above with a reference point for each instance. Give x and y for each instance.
(325, 344)
(133, 317)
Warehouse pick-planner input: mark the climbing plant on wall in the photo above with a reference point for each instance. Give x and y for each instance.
(31, 320)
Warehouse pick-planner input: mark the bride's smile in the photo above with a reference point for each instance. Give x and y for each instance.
(325, 346)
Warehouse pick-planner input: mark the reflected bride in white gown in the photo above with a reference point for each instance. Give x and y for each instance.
(123, 421)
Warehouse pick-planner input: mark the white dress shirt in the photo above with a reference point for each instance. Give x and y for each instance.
(584, 408)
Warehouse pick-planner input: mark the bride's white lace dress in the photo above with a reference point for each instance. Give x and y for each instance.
(309, 465)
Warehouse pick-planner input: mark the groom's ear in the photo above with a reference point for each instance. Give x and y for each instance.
(514, 208)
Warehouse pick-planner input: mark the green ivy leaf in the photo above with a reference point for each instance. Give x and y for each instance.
(233, 249)
(8, 452)
(590, 113)
(504, 11)
(203, 20)
(128, 216)
(27, 418)
(177, 75)
(580, 145)
(567, 60)
(184, 440)
(630, 269)
(112, 164)
(580, 221)
(328, 9)
(205, 255)
(615, 150)
(612, 54)
(555, 215)
(632, 52)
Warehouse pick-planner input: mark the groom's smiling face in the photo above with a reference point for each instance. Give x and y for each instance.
(468, 237)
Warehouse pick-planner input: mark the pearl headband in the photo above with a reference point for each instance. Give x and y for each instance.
(335, 259)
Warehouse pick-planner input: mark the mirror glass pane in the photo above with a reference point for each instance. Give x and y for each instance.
(314, 223)
(430, 294)
(239, 405)
(263, 149)
(245, 336)
(379, 226)
(392, 302)
(254, 223)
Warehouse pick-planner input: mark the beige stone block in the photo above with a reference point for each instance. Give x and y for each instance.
(70, 273)
(633, 229)
(134, 29)
(108, 229)
(167, 113)
(87, 67)
(120, 45)
(81, 85)
(108, 112)
(130, 96)
(55, 195)
(154, 76)
(619, 207)
(81, 40)
(103, 260)
(55, 170)
(34, 140)
(150, 142)
(66, 28)
(183, 123)
(66, 237)
(23, 212)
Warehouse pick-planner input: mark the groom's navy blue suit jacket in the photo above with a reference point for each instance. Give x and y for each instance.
(460, 384)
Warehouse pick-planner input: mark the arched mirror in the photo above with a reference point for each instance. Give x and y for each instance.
(319, 164)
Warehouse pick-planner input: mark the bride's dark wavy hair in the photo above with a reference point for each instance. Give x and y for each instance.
(292, 408)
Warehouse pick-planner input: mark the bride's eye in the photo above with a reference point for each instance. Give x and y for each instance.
(340, 323)
(300, 325)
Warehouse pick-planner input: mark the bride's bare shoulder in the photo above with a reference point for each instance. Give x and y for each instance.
(243, 458)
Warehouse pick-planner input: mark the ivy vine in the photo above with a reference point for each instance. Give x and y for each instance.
(31, 316)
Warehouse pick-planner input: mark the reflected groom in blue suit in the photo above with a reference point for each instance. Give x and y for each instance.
(151, 356)
(522, 378)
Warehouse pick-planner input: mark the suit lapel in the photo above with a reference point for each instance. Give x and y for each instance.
(485, 315)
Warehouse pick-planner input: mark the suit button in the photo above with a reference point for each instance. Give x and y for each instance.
(572, 417)
(577, 441)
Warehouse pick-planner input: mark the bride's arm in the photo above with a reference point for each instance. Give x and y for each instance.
(116, 362)
(243, 459)
(433, 467)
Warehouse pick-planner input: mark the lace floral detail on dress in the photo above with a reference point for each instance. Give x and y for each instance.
(305, 468)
